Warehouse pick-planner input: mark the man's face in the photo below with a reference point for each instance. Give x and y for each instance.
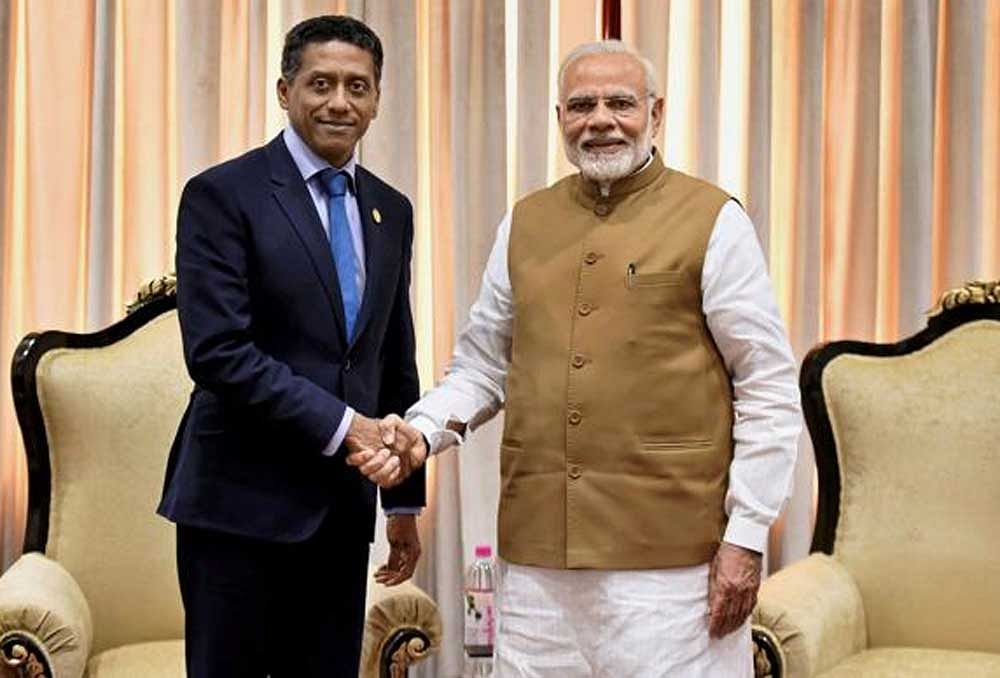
(607, 117)
(332, 99)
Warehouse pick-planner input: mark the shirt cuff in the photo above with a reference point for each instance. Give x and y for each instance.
(444, 405)
(438, 439)
(341, 433)
(403, 511)
(746, 533)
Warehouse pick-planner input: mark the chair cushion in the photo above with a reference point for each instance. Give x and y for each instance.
(920, 493)
(162, 659)
(110, 417)
(908, 662)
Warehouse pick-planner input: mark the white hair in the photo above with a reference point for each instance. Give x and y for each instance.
(609, 47)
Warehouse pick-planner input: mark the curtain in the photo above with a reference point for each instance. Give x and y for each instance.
(862, 136)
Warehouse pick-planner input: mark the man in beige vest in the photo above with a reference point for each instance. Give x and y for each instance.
(627, 325)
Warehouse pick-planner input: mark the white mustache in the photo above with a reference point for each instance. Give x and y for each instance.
(591, 140)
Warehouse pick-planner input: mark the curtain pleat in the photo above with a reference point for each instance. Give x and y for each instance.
(534, 99)
(850, 196)
(146, 128)
(957, 237)
(794, 226)
(46, 200)
(990, 179)
(910, 170)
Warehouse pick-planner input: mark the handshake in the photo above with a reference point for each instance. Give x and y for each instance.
(386, 451)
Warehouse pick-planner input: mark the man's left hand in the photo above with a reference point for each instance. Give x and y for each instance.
(404, 550)
(733, 581)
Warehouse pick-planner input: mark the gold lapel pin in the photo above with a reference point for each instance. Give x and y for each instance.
(377, 216)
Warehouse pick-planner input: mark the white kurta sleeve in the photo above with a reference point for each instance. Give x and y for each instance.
(472, 390)
(742, 315)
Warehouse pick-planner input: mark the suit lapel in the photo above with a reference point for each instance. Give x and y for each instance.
(293, 197)
(376, 245)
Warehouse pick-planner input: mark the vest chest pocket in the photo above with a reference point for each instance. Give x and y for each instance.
(647, 288)
(634, 279)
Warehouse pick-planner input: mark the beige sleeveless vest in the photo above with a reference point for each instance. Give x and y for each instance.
(618, 433)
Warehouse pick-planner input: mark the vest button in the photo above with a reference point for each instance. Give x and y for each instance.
(602, 209)
(575, 471)
(585, 308)
(575, 417)
(591, 258)
(579, 361)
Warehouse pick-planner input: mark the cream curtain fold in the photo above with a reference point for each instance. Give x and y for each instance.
(862, 136)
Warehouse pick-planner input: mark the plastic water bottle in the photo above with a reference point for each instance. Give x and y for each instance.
(480, 620)
(477, 667)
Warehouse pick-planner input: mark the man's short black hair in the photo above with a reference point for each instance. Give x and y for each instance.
(324, 29)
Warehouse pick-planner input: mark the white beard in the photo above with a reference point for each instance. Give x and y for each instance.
(606, 168)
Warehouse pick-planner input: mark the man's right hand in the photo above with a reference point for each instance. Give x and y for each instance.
(365, 449)
(363, 433)
(397, 450)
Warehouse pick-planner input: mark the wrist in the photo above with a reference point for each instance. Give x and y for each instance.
(358, 423)
(401, 515)
(362, 430)
(741, 549)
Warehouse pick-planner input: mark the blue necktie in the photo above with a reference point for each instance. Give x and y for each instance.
(342, 245)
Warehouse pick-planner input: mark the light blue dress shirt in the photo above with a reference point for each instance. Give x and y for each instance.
(310, 165)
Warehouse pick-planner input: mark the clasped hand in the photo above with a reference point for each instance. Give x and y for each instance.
(386, 451)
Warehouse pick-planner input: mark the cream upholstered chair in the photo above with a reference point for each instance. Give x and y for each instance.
(904, 578)
(96, 592)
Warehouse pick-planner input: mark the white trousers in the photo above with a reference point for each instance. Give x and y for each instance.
(611, 624)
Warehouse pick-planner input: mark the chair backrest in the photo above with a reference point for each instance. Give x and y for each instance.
(98, 413)
(907, 440)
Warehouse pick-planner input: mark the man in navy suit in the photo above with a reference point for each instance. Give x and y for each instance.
(293, 271)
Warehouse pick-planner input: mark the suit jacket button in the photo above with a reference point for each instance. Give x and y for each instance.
(575, 471)
(602, 209)
(575, 418)
(347, 365)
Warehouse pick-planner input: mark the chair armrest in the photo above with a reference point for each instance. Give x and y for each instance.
(768, 659)
(45, 621)
(813, 612)
(403, 626)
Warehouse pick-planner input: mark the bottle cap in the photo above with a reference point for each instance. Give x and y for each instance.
(484, 551)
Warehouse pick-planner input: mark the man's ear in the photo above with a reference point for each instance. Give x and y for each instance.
(657, 115)
(282, 89)
(558, 114)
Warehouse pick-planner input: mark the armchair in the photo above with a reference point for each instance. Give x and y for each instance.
(904, 575)
(95, 593)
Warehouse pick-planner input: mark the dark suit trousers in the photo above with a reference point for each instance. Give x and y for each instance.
(255, 608)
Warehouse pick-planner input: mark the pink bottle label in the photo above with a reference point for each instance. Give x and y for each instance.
(479, 618)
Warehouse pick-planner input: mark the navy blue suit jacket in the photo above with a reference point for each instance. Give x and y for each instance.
(264, 340)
